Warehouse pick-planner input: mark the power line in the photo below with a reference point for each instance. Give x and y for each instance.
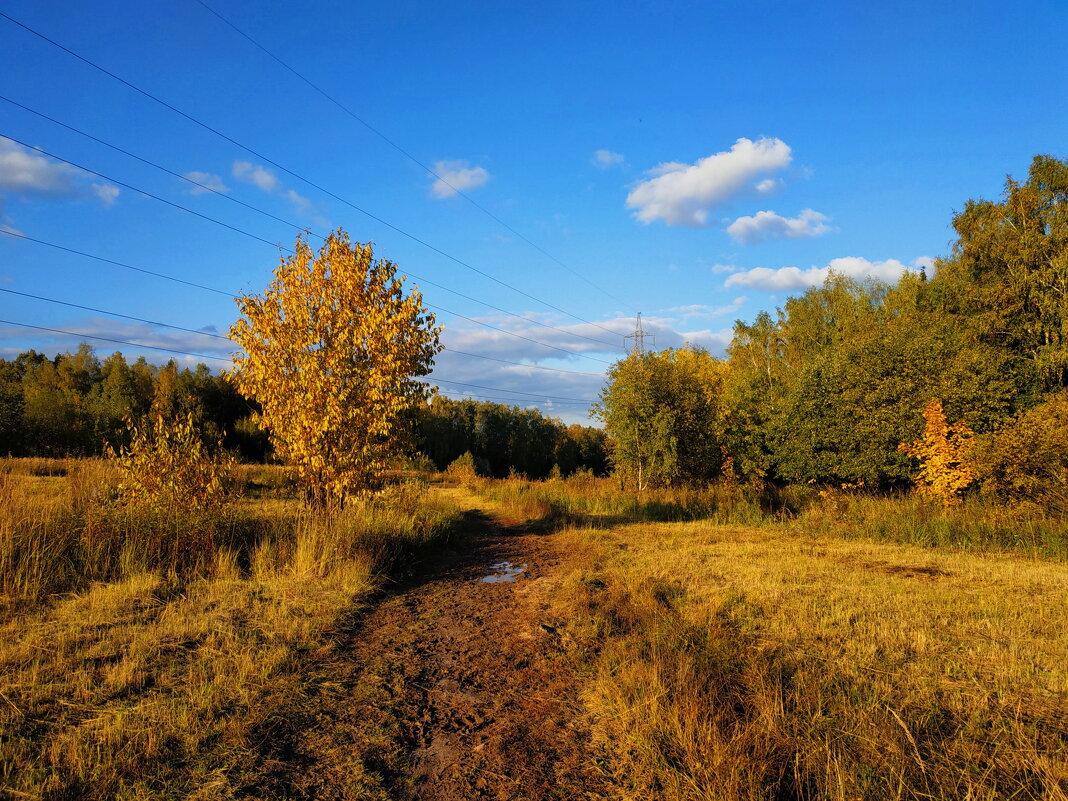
(272, 244)
(521, 364)
(296, 175)
(116, 263)
(82, 335)
(115, 314)
(513, 391)
(407, 154)
(115, 341)
(146, 193)
(268, 214)
(519, 336)
(231, 295)
(143, 160)
(457, 395)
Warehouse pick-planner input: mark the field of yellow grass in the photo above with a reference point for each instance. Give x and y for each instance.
(742, 662)
(138, 671)
(732, 645)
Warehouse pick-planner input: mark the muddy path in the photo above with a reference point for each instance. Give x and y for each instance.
(453, 685)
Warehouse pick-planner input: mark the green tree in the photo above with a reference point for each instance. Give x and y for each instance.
(1026, 460)
(663, 416)
(1008, 274)
(754, 386)
(56, 397)
(11, 408)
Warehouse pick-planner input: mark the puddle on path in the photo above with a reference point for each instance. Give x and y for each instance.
(504, 571)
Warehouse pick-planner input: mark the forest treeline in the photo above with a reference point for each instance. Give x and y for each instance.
(505, 439)
(835, 385)
(77, 405)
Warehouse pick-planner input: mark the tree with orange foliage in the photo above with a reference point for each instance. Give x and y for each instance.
(331, 352)
(944, 473)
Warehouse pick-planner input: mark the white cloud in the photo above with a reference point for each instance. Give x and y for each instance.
(264, 179)
(457, 176)
(719, 269)
(580, 338)
(256, 175)
(704, 311)
(683, 194)
(925, 263)
(583, 378)
(106, 192)
(768, 185)
(23, 171)
(5, 221)
(26, 172)
(788, 278)
(766, 226)
(297, 200)
(209, 182)
(606, 158)
(142, 333)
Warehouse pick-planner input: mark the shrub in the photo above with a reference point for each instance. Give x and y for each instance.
(1026, 460)
(168, 466)
(944, 473)
(467, 466)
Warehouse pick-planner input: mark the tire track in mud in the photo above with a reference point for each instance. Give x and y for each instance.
(453, 687)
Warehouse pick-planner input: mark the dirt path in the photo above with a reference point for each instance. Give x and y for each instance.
(453, 687)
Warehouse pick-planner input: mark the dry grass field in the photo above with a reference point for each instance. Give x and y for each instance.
(758, 663)
(153, 656)
(722, 645)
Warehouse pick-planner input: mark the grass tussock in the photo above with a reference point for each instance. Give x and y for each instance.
(152, 654)
(744, 663)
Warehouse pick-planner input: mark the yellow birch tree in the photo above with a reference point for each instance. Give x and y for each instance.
(332, 350)
(944, 473)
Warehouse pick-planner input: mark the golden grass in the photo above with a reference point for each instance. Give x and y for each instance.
(166, 679)
(977, 524)
(804, 657)
(746, 663)
(586, 497)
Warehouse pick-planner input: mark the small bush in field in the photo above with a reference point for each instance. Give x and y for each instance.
(167, 466)
(1026, 460)
(467, 467)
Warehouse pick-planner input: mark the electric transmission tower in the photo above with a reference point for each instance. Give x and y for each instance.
(639, 336)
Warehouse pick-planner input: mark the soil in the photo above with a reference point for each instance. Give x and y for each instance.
(451, 687)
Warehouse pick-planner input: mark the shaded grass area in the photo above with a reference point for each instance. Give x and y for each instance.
(977, 524)
(585, 498)
(172, 654)
(744, 663)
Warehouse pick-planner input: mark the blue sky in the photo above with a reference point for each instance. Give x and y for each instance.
(695, 162)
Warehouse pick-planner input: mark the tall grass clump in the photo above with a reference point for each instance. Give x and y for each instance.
(68, 524)
(978, 523)
(382, 532)
(35, 537)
